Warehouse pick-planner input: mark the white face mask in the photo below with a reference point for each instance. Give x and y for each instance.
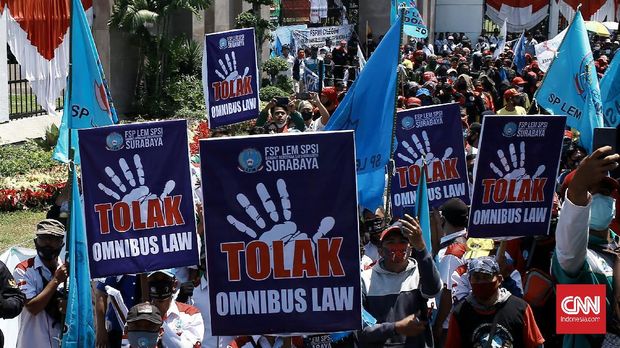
(602, 211)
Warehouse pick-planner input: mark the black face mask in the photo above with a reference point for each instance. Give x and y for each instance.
(307, 115)
(161, 290)
(47, 253)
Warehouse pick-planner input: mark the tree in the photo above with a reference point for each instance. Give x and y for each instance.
(147, 22)
(252, 19)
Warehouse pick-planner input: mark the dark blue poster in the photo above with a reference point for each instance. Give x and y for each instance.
(230, 77)
(281, 233)
(515, 175)
(138, 204)
(433, 134)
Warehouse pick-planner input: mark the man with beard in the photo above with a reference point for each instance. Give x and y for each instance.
(40, 279)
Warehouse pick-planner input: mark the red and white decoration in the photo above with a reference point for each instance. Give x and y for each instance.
(591, 10)
(520, 14)
(38, 34)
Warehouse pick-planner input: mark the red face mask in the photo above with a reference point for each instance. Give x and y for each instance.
(484, 291)
(397, 252)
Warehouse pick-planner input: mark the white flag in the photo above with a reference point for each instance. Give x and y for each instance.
(501, 44)
(547, 50)
(360, 57)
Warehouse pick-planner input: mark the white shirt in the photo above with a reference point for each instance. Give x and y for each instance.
(183, 326)
(35, 330)
(447, 263)
(315, 126)
(201, 301)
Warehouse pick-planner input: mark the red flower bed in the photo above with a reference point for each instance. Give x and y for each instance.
(38, 198)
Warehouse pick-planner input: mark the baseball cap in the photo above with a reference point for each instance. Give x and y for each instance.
(484, 264)
(395, 227)
(455, 212)
(510, 93)
(450, 37)
(169, 272)
(50, 227)
(518, 81)
(144, 311)
(423, 91)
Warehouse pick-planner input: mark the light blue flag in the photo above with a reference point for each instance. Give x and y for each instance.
(571, 86)
(89, 103)
(368, 108)
(422, 211)
(610, 93)
(414, 23)
(79, 318)
(519, 50)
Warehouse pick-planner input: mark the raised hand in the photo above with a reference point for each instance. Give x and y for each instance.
(229, 70)
(422, 152)
(282, 225)
(132, 190)
(516, 168)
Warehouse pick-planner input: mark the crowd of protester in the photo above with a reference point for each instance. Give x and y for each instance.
(467, 292)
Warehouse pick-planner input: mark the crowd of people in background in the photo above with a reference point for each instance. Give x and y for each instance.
(468, 293)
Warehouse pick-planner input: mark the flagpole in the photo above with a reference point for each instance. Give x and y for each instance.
(71, 160)
(388, 201)
(556, 52)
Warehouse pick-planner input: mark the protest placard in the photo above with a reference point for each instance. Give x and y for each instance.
(434, 134)
(317, 37)
(515, 175)
(138, 204)
(230, 77)
(281, 233)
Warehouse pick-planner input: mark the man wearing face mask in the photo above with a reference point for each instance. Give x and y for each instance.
(144, 326)
(306, 108)
(584, 242)
(490, 315)
(395, 290)
(183, 325)
(40, 279)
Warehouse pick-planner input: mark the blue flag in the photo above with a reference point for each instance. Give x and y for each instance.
(414, 23)
(610, 93)
(519, 50)
(87, 100)
(422, 210)
(368, 108)
(571, 86)
(79, 318)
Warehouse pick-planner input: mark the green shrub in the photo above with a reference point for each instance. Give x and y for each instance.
(22, 158)
(285, 83)
(186, 98)
(269, 92)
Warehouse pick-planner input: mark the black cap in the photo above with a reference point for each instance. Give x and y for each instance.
(455, 212)
(144, 311)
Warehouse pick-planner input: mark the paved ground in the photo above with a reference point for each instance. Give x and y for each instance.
(26, 128)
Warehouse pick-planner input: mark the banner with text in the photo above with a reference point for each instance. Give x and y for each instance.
(433, 133)
(281, 238)
(316, 37)
(138, 203)
(230, 77)
(516, 169)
